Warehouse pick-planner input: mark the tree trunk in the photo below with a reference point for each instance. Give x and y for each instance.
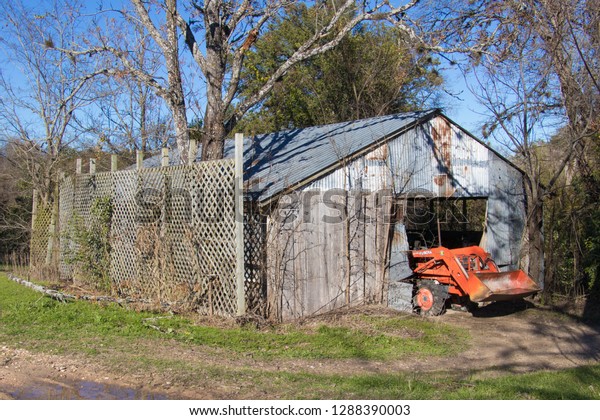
(551, 251)
(181, 129)
(176, 98)
(534, 246)
(214, 134)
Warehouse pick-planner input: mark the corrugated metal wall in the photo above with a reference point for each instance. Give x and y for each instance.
(436, 159)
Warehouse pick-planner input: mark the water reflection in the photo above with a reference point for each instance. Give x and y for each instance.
(81, 390)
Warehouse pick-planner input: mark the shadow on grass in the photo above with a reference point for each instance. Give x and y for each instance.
(571, 384)
(581, 383)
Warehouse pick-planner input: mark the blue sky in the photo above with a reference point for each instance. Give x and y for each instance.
(462, 107)
(461, 110)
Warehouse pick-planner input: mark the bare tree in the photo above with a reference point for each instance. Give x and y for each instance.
(128, 114)
(42, 91)
(513, 93)
(542, 74)
(218, 35)
(569, 37)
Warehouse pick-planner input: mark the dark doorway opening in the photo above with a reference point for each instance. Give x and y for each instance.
(449, 222)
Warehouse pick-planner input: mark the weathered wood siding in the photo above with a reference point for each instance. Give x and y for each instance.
(326, 256)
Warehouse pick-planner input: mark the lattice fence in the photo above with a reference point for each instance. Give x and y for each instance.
(40, 236)
(172, 235)
(44, 242)
(255, 259)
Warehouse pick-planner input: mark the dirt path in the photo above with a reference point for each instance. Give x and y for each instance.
(503, 340)
(525, 341)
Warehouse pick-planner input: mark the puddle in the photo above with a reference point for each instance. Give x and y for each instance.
(80, 390)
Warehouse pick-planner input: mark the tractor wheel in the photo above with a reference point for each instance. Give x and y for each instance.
(430, 298)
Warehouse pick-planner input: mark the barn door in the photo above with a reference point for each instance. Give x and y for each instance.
(399, 292)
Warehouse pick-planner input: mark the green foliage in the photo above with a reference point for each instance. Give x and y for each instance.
(325, 342)
(15, 207)
(373, 71)
(572, 223)
(45, 324)
(91, 253)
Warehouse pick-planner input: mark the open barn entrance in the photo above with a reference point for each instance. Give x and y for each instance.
(423, 222)
(449, 222)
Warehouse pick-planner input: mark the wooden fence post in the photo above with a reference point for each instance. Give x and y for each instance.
(164, 161)
(139, 159)
(192, 151)
(239, 223)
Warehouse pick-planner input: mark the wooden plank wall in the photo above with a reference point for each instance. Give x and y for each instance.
(322, 256)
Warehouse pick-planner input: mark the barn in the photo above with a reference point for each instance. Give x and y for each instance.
(331, 211)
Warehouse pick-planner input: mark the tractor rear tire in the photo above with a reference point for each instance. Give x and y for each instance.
(430, 298)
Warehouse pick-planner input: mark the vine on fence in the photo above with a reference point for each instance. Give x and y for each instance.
(91, 251)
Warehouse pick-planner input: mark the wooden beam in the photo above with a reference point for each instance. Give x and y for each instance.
(164, 160)
(113, 163)
(239, 224)
(139, 159)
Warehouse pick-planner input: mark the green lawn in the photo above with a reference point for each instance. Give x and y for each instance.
(42, 323)
(121, 339)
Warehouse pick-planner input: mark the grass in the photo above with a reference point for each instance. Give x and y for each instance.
(121, 341)
(42, 323)
(570, 384)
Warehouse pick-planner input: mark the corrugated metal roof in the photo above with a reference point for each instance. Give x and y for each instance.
(278, 161)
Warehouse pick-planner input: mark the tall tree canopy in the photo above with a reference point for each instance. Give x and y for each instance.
(373, 71)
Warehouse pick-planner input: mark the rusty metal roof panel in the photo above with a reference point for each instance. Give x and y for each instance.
(414, 153)
(278, 161)
(286, 159)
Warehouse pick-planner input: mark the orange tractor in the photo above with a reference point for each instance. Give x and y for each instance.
(463, 276)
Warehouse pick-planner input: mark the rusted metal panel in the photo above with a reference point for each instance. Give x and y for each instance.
(436, 159)
(441, 157)
(379, 154)
(442, 135)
